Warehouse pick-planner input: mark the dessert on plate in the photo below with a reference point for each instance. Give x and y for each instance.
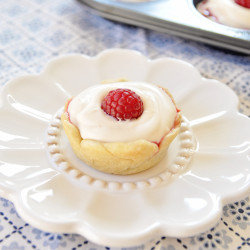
(233, 13)
(121, 127)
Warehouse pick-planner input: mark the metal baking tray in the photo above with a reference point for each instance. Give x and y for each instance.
(177, 17)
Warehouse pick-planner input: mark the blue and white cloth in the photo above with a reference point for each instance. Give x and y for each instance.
(32, 32)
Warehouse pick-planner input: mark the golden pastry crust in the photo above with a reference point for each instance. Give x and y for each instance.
(120, 158)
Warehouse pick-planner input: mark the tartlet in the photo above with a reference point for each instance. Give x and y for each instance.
(120, 157)
(232, 13)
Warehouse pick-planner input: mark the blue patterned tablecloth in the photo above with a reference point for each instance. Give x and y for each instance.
(32, 32)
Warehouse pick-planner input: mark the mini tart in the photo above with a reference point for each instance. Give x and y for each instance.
(121, 158)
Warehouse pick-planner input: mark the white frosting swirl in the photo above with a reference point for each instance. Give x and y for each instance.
(93, 123)
(227, 12)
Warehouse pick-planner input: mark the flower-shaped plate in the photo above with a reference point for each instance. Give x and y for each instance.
(207, 165)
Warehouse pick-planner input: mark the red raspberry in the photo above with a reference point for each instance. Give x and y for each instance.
(243, 3)
(122, 104)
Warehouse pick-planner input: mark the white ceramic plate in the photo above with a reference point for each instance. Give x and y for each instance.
(206, 167)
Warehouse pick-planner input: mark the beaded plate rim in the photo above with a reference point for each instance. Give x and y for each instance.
(61, 162)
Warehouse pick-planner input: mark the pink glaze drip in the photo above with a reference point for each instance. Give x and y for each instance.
(158, 143)
(67, 109)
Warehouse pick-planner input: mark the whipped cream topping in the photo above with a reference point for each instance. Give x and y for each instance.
(227, 12)
(93, 123)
